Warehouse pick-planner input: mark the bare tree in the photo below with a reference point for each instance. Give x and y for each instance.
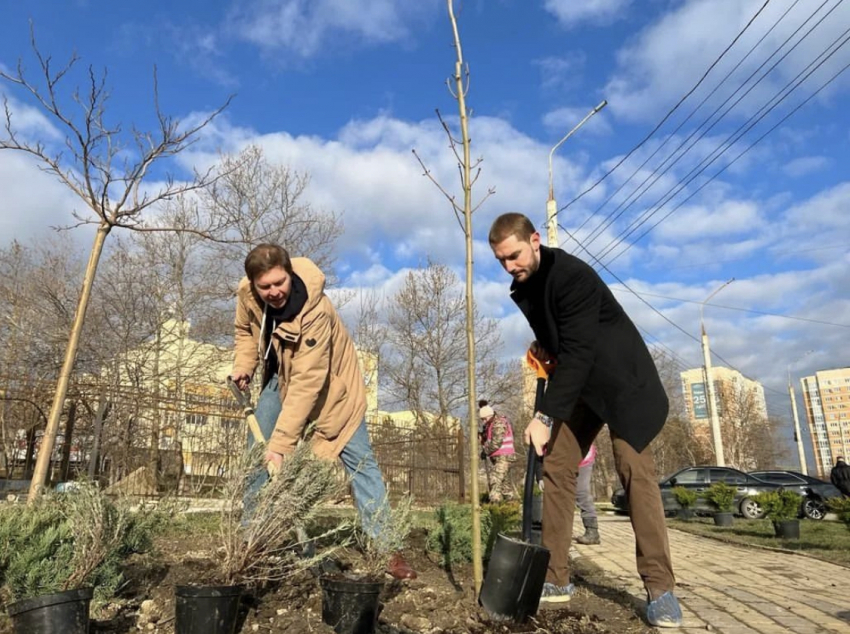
(749, 438)
(427, 329)
(263, 202)
(458, 86)
(105, 172)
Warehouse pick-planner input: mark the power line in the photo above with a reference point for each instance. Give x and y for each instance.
(747, 310)
(669, 113)
(602, 225)
(658, 312)
(694, 265)
(701, 168)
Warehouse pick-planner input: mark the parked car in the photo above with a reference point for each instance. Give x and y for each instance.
(816, 493)
(699, 479)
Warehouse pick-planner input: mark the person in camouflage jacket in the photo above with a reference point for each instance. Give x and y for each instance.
(497, 446)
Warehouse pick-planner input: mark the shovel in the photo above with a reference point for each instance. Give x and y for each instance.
(248, 410)
(517, 569)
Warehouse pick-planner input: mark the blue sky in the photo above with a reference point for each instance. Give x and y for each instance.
(344, 89)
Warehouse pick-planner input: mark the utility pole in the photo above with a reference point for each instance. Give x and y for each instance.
(716, 436)
(798, 437)
(841, 431)
(551, 207)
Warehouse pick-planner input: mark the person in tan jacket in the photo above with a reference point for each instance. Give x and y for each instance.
(287, 326)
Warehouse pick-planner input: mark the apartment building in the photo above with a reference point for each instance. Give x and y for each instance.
(826, 399)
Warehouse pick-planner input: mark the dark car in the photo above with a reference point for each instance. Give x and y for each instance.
(816, 493)
(699, 479)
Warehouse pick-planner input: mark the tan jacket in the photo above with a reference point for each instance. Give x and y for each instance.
(319, 376)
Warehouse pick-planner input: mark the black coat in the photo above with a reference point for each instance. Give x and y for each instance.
(841, 477)
(602, 358)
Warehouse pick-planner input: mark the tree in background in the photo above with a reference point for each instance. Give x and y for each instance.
(107, 170)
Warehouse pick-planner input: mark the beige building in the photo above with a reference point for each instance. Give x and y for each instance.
(170, 392)
(826, 399)
(735, 395)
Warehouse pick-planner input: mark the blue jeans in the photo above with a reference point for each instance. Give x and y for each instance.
(370, 494)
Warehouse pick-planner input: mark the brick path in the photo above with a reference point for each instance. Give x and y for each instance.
(731, 589)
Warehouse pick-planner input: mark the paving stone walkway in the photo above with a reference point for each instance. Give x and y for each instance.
(732, 589)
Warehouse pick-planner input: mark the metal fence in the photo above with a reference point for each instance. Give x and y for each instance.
(137, 442)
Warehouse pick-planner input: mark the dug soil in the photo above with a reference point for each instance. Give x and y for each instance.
(439, 601)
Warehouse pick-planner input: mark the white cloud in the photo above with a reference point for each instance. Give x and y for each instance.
(805, 165)
(665, 60)
(29, 123)
(728, 218)
(369, 173)
(308, 27)
(573, 12)
(32, 199)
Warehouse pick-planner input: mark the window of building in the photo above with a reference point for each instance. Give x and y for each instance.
(196, 419)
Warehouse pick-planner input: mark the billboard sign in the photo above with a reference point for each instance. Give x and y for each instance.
(699, 401)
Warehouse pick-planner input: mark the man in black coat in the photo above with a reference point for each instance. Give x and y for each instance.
(841, 476)
(603, 374)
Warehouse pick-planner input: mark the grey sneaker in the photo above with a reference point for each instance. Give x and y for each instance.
(664, 611)
(556, 594)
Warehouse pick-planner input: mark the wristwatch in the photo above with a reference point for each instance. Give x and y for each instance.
(545, 419)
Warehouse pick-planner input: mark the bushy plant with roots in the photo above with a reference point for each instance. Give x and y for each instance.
(263, 546)
(841, 507)
(72, 540)
(780, 505)
(685, 497)
(721, 497)
(387, 534)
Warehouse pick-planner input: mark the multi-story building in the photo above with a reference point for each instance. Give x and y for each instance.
(741, 409)
(826, 398)
(735, 395)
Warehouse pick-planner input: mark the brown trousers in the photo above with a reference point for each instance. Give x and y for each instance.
(570, 441)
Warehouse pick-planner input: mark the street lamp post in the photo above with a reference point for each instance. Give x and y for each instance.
(716, 436)
(798, 437)
(551, 207)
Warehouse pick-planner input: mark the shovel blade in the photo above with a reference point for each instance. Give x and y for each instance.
(514, 579)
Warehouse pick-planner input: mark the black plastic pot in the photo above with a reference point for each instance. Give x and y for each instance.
(351, 606)
(685, 514)
(206, 609)
(61, 613)
(787, 529)
(723, 519)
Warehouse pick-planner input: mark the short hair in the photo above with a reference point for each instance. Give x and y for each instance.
(263, 258)
(511, 224)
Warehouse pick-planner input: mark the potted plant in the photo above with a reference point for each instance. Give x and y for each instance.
(351, 600)
(65, 550)
(782, 507)
(721, 497)
(264, 548)
(686, 499)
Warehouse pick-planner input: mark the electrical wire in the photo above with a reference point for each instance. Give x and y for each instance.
(626, 204)
(669, 113)
(748, 310)
(602, 225)
(738, 157)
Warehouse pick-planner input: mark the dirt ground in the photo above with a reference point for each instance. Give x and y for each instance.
(439, 601)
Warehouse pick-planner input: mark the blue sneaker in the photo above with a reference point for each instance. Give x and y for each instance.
(664, 611)
(556, 594)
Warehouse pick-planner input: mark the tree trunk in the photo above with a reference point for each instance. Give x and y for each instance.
(477, 566)
(102, 409)
(65, 463)
(43, 463)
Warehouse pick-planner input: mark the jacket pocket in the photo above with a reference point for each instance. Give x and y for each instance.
(331, 412)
